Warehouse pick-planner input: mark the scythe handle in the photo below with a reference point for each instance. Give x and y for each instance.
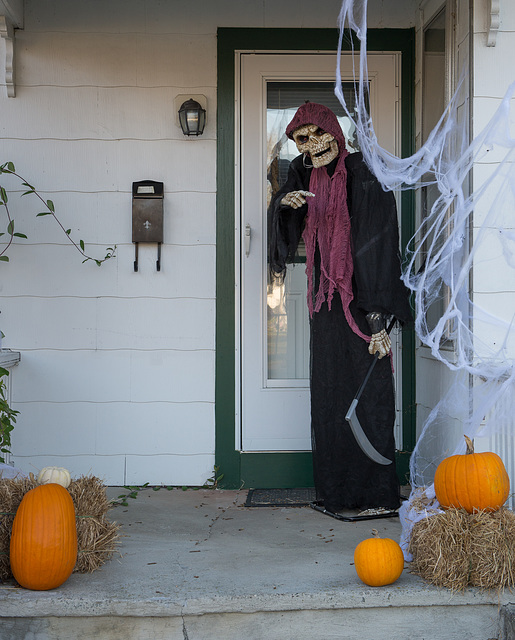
(370, 369)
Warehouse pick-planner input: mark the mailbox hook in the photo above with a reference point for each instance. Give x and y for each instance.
(158, 261)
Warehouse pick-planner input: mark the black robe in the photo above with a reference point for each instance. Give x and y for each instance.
(344, 476)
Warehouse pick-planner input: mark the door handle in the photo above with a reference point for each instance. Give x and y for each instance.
(248, 232)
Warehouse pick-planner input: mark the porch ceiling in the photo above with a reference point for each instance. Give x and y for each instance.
(13, 11)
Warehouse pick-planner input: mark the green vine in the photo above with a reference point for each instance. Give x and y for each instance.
(214, 480)
(7, 417)
(121, 500)
(8, 168)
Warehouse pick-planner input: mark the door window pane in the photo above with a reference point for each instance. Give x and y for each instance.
(433, 105)
(287, 314)
(434, 74)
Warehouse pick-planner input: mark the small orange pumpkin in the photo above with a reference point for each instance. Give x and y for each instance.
(378, 561)
(43, 549)
(473, 481)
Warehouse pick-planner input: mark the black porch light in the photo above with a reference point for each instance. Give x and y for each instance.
(192, 118)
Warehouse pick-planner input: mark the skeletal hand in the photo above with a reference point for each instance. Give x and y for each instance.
(380, 342)
(296, 199)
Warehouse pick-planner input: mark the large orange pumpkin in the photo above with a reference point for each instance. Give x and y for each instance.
(44, 538)
(378, 561)
(473, 481)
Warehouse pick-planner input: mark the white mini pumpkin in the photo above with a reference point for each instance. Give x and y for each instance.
(54, 474)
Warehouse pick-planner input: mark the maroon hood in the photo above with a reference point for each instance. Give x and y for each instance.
(323, 117)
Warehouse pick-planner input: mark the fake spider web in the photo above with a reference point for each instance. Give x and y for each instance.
(465, 242)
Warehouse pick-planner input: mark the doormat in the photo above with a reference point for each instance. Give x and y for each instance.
(280, 497)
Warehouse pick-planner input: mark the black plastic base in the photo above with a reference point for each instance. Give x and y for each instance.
(319, 506)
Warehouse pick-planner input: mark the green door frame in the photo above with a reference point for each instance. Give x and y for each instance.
(286, 469)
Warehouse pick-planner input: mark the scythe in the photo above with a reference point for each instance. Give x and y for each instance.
(351, 417)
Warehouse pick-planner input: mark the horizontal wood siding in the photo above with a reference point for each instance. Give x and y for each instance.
(117, 375)
(117, 370)
(493, 275)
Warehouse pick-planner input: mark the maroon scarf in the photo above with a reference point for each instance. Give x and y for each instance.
(327, 220)
(328, 225)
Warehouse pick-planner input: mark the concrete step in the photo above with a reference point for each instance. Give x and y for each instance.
(199, 565)
(507, 622)
(292, 617)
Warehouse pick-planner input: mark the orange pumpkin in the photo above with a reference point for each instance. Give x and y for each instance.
(378, 561)
(44, 538)
(473, 481)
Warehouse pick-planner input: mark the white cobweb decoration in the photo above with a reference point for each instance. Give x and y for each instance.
(466, 242)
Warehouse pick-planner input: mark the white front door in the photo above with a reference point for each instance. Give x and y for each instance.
(273, 343)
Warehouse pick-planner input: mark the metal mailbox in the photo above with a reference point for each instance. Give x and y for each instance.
(147, 216)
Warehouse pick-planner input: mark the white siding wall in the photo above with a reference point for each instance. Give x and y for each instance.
(494, 281)
(433, 378)
(117, 369)
(493, 284)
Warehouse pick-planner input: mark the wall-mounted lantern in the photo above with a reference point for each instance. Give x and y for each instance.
(192, 118)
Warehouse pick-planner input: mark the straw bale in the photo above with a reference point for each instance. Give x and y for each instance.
(456, 549)
(89, 496)
(492, 549)
(97, 536)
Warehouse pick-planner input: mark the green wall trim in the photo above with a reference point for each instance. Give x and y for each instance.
(288, 470)
(275, 470)
(292, 470)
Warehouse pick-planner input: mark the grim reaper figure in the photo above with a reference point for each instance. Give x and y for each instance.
(349, 226)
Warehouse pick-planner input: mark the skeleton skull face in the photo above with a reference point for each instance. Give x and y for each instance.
(317, 143)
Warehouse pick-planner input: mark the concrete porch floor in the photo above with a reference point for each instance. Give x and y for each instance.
(199, 565)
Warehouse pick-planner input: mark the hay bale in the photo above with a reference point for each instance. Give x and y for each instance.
(97, 536)
(12, 491)
(457, 549)
(89, 496)
(97, 539)
(492, 542)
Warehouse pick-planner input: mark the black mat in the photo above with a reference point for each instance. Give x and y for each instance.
(351, 516)
(305, 498)
(280, 497)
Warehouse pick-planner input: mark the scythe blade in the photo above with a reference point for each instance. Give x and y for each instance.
(356, 428)
(361, 438)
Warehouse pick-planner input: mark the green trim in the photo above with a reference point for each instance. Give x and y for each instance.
(227, 458)
(402, 459)
(407, 231)
(268, 470)
(276, 470)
